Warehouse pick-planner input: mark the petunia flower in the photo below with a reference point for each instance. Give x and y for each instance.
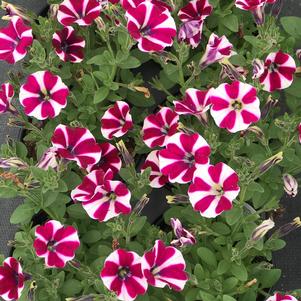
(6, 94)
(157, 179)
(184, 237)
(182, 155)
(126, 4)
(258, 68)
(260, 231)
(101, 197)
(56, 243)
(81, 12)
(280, 297)
(290, 185)
(76, 144)
(49, 159)
(213, 189)
(122, 274)
(299, 132)
(68, 46)
(151, 26)
(43, 95)
(279, 70)
(164, 265)
(158, 127)
(193, 15)
(235, 106)
(116, 121)
(109, 159)
(217, 49)
(196, 102)
(15, 39)
(11, 279)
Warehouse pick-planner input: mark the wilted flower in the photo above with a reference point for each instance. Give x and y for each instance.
(13, 10)
(177, 199)
(262, 230)
(270, 103)
(143, 90)
(12, 162)
(6, 94)
(164, 265)
(232, 72)
(184, 237)
(280, 297)
(127, 157)
(141, 204)
(276, 8)
(299, 130)
(49, 159)
(279, 70)
(290, 185)
(191, 32)
(11, 279)
(288, 228)
(270, 162)
(258, 68)
(53, 9)
(257, 131)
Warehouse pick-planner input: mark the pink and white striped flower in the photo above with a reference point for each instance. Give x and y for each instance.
(235, 106)
(193, 15)
(150, 25)
(157, 179)
(184, 237)
(101, 197)
(6, 94)
(196, 102)
(56, 243)
(217, 49)
(11, 279)
(15, 39)
(116, 121)
(182, 155)
(81, 12)
(213, 189)
(280, 297)
(299, 132)
(49, 159)
(109, 159)
(126, 4)
(76, 144)
(164, 265)
(249, 4)
(157, 128)
(279, 70)
(43, 95)
(68, 46)
(122, 274)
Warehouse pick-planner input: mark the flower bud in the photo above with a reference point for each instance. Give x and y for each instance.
(184, 237)
(298, 54)
(141, 204)
(271, 103)
(184, 129)
(230, 71)
(299, 130)
(270, 162)
(49, 159)
(177, 199)
(262, 230)
(127, 157)
(258, 68)
(188, 30)
(100, 24)
(251, 283)
(288, 228)
(257, 131)
(53, 9)
(259, 15)
(290, 185)
(7, 163)
(13, 10)
(144, 90)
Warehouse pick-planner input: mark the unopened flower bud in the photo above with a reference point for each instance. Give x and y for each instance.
(177, 199)
(259, 15)
(141, 204)
(127, 157)
(184, 129)
(53, 9)
(7, 163)
(257, 131)
(262, 230)
(270, 162)
(288, 228)
(13, 10)
(144, 90)
(251, 283)
(290, 185)
(184, 237)
(230, 71)
(100, 24)
(49, 159)
(271, 103)
(298, 54)
(258, 68)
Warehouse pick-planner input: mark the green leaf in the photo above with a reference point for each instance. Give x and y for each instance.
(76, 211)
(255, 42)
(207, 256)
(254, 186)
(72, 180)
(231, 22)
(137, 225)
(239, 271)
(229, 283)
(232, 216)
(102, 59)
(130, 63)
(221, 228)
(199, 272)
(22, 214)
(223, 267)
(91, 236)
(101, 94)
(249, 296)
(268, 278)
(49, 198)
(292, 25)
(228, 298)
(71, 287)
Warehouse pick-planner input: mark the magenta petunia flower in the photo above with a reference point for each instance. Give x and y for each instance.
(109, 159)
(122, 274)
(235, 106)
(157, 179)
(184, 237)
(81, 12)
(213, 189)
(11, 279)
(249, 4)
(193, 15)
(43, 95)
(164, 265)
(217, 49)
(101, 197)
(116, 121)
(158, 127)
(280, 297)
(6, 94)
(299, 130)
(68, 46)
(126, 4)
(279, 70)
(15, 39)
(182, 155)
(196, 102)
(150, 25)
(56, 243)
(76, 144)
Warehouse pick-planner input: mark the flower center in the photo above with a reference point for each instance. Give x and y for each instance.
(274, 67)
(65, 46)
(236, 105)
(44, 95)
(124, 272)
(165, 129)
(51, 245)
(146, 31)
(155, 270)
(189, 159)
(112, 196)
(218, 190)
